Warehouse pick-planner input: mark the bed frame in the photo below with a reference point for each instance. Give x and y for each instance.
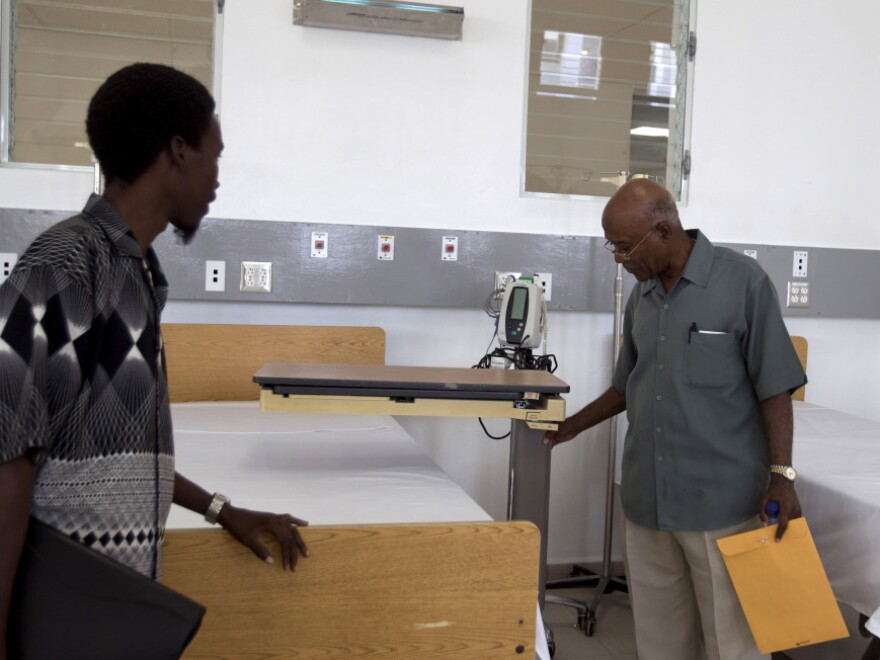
(462, 590)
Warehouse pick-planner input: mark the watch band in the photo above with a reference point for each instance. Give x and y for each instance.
(214, 508)
(786, 471)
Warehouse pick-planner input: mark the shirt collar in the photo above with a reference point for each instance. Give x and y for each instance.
(114, 225)
(698, 266)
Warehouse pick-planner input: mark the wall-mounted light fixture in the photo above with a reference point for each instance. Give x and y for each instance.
(409, 18)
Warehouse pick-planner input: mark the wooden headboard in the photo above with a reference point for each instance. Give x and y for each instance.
(800, 347)
(438, 590)
(218, 362)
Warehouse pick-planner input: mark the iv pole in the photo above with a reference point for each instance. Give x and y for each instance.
(605, 581)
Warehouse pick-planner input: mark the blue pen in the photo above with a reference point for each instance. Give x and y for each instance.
(772, 511)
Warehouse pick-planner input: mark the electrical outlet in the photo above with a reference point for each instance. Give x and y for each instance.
(502, 277)
(7, 263)
(798, 294)
(256, 276)
(799, 267)
(545, 281)
(215, 276)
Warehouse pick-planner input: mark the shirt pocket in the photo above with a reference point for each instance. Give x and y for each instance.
(712, 360)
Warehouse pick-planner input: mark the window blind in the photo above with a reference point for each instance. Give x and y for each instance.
(63, 50)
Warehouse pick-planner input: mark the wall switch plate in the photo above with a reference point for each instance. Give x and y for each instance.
(319, 244)
(215, 276)
(449, 249)
(799, 266)
(256, 276)
(7, 263)
(385, 249)
(798, 294)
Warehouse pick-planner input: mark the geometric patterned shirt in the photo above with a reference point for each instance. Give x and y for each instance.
(83, 388)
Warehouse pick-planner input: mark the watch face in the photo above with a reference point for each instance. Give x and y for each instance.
(790, 473)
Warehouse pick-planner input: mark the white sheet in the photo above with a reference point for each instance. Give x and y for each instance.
(327, 469)
(838, 461)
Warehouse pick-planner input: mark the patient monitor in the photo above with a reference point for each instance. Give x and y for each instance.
(521, 322)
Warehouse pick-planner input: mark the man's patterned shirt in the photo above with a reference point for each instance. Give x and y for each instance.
(83, 389)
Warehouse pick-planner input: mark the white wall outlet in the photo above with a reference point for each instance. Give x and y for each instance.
(799, 267)
(7, 263)
(385, 248)
(502, 277)
(798, 294)
(545, 281)
(449, 249)
(215, 276)
(319, 244)
(256, 276)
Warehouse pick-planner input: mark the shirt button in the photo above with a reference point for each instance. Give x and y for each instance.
(659, 397)
(660, 366)
(665, 306)
(659, 459)
(662, 337)
(659, 430)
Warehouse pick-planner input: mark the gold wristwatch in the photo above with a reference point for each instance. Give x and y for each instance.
(785, 470)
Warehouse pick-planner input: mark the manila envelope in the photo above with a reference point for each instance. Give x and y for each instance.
(782, 587)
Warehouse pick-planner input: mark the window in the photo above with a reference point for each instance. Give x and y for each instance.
(606, 95)
(57, 52)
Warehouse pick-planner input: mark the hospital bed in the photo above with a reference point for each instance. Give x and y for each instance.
(838, 460)
(403, 563)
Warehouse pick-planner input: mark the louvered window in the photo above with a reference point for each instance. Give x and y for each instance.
(58, 52)
(607, 94)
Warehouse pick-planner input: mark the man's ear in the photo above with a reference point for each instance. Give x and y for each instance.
(663, 229)
(177, 149)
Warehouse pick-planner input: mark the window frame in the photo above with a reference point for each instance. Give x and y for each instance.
(681, 163)
(7, 43)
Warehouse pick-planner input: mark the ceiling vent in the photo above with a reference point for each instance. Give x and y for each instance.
(410, 18)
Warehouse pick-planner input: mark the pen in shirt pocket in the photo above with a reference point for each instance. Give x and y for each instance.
(694, 329)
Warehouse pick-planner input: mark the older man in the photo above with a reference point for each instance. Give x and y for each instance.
(705, 373)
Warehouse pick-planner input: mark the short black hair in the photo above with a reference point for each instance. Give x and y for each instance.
(137, 110)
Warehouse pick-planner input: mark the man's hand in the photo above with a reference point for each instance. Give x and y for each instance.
(564, 433)
(246, 526)
(782, 491)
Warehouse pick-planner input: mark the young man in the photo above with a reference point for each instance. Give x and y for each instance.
(85, 427)
(705, 374)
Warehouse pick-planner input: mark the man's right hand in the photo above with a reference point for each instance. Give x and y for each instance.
(564, 433)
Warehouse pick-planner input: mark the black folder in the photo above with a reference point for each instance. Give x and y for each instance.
(72, 602)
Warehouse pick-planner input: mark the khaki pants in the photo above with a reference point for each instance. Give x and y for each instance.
(684, 604)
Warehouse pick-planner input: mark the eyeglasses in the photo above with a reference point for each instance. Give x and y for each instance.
(624, 256)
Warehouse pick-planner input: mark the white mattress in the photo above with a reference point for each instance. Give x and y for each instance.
(838, 461)
(327, 469)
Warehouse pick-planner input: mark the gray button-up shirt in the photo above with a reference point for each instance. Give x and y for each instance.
(694, 364)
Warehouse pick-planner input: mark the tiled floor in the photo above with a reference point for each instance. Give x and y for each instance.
(613, 637)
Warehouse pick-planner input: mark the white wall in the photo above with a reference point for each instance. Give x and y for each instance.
(345, 127)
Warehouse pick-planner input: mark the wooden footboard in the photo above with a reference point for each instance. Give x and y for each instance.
(450, 590)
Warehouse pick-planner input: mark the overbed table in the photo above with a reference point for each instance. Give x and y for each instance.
(530, 399)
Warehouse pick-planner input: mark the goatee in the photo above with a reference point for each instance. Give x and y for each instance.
(184, 237)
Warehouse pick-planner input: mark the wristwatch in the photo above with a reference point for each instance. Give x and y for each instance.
(785, 470)
(214, 508)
